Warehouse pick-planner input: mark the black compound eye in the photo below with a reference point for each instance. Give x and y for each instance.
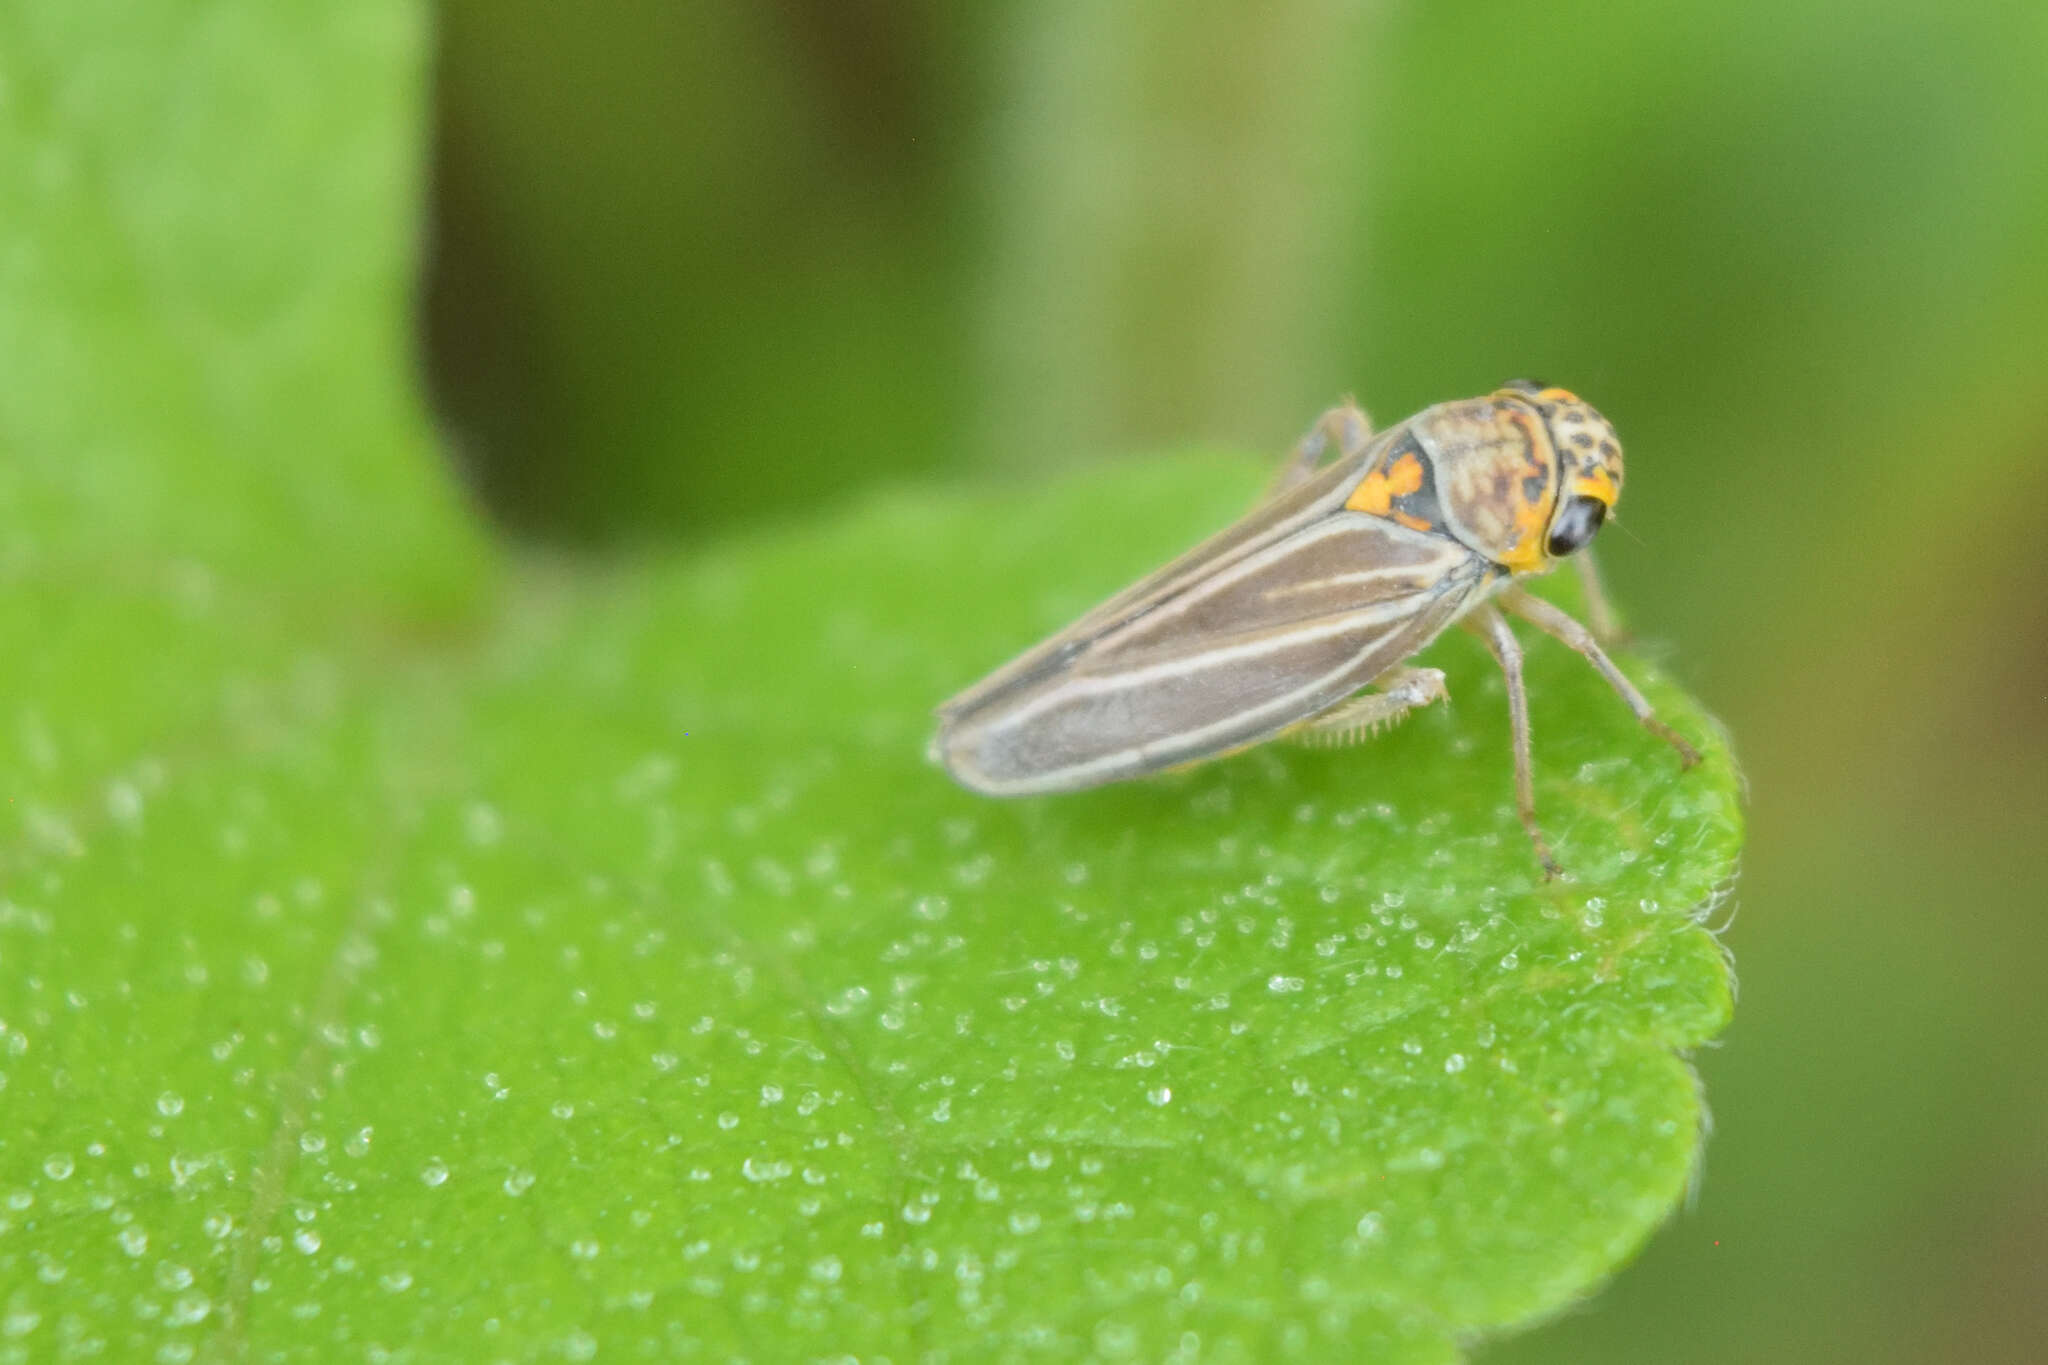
(1576, 525)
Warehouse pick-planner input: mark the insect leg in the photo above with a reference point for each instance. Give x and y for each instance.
(1358, 718)
(1343, 429)
(1553, 622)
(1493, 628)
(1606, 625)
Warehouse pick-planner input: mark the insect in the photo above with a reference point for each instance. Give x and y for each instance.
(1365, 549)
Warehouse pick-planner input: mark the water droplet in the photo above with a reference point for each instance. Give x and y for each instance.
(434, 1173)
(170, 1104)
(124, 802)
(760, 1170)
(188, 1310)
(1282, 984)
(1116, 1339)
(1454, 1063)
(58, 1166)
(482, 824)
(847, 1001)
(826, 1270)
(172, 1276)
(585, 1249)
(1160, 1094)
(133, 1240)
(306, 1240)
(396, 1281)
(518, 1183)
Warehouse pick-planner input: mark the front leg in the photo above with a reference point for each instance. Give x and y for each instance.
(1492, 627)
(1344, 428)
(1558, 625)
(1599, 610)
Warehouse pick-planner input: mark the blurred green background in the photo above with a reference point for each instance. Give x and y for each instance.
(694, 265)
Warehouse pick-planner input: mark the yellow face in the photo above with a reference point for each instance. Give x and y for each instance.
(1587, 456)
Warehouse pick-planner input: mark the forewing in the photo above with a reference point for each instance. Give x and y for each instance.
(1266, 525)
(1277, 633)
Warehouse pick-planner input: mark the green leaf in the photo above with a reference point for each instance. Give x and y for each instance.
(396, 956)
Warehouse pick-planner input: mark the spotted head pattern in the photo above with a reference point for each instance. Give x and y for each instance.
(1586, 455)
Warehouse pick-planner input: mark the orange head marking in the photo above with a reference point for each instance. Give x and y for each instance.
(1533, 496)
(1588, 461)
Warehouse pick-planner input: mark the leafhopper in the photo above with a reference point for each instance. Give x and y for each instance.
(1365, 549)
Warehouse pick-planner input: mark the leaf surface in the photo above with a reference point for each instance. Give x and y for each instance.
(402, 951)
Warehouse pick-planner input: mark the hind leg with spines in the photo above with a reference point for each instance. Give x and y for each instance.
(1401, 690)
